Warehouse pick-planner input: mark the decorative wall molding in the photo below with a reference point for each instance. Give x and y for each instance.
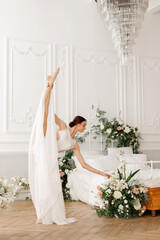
(145, 67)
(155, 121)
(70, 59)
(14, 48)
(27, 119)
(39, 53)
(101, 60)
(96, 58)
(63, 84)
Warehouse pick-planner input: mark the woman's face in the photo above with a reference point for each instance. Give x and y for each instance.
(82, 126)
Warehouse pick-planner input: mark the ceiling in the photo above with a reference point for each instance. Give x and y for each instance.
(154, 6)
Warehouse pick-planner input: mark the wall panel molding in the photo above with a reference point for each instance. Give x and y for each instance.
(95, 58)
(148, 106)
(24, 52)
(74, 63)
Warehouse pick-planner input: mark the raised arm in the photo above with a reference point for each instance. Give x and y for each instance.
(62, 125)
(80, 158)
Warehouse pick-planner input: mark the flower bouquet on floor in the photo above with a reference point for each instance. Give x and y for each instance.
(20, 183)
(121, 197)
(7, 192)
(21, 188)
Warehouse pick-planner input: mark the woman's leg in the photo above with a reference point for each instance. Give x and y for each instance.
(47, 95)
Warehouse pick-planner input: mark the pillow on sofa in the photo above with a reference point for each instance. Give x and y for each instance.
(135, 162)
(92, 161)
(117, 151)
(100, 162)
(109, 163)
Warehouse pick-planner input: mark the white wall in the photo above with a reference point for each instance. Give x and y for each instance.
(36, 36)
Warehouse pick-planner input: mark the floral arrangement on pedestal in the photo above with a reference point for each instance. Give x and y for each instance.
(120, 197)
(7, 192)
(116, 131)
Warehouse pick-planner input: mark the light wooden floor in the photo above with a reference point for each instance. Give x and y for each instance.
(18, 223)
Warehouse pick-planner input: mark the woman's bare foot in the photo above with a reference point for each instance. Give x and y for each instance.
(52, 78)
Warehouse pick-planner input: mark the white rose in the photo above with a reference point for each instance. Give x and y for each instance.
(117, 194)
(108, 191)
(125, 201)
(1, 190)
(5, 182)
(127, 206)
(66, 171)
(112, 122)
(137, 204)
(127, 130)
(120, 122)
(120, 207)
(101, 126)
(109, 130)
(106, 202)
(61, 164)
(13, 179)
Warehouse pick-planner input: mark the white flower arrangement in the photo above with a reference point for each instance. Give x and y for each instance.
(115, 131)
(120, 197)
(7, 192)
(20, 183)
(65, 168)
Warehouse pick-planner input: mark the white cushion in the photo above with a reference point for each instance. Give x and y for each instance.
(117, 151)
(100, 162)
(91, 154)
(138, 160)
(109, 163)
(91, 161)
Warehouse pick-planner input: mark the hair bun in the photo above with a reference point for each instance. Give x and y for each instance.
(71, 124)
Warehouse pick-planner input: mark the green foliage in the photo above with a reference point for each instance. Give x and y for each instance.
(65, 167)
(131, 175)
(120, 198)
(116, 131)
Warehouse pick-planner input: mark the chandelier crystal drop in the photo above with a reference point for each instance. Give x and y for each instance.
(123, 20)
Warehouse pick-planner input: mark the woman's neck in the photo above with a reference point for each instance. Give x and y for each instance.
(73, 131)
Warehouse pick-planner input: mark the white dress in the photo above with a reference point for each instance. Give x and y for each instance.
(44, 177)
(65, 141)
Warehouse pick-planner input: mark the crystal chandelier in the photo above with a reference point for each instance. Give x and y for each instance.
(123, 19)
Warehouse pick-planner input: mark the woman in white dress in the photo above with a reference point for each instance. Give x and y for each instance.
(45, 143)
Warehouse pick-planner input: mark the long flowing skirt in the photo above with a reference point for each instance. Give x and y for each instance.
(44, 178)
